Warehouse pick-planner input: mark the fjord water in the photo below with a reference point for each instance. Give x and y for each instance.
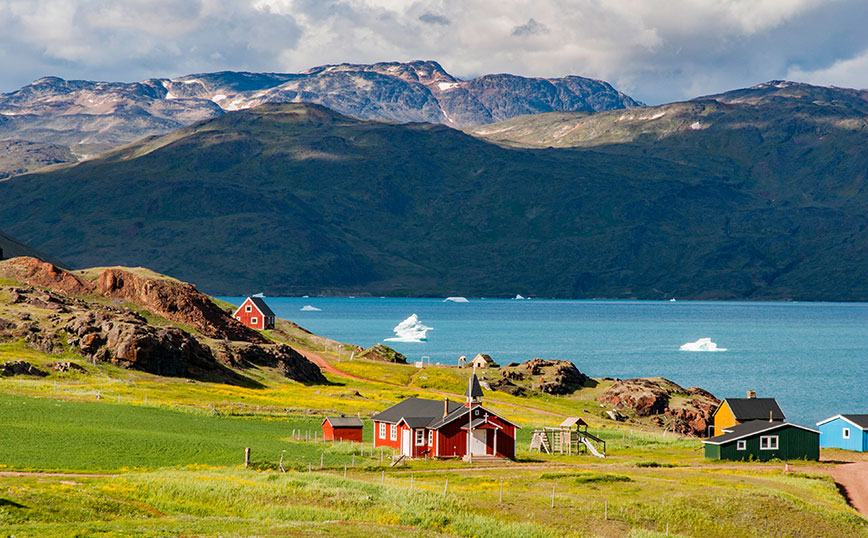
(812, 357)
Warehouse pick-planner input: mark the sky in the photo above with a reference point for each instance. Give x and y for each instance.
(656, 51)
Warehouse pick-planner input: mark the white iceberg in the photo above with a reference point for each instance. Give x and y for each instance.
(310, 308)
(456, 300)
(519, 297)
(410, 330)
(703, 344)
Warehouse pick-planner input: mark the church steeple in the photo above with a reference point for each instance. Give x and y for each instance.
(474, 391)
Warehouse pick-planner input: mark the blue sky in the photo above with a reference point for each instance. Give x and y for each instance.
(656, 51)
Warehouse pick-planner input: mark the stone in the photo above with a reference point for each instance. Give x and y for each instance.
(21, 368)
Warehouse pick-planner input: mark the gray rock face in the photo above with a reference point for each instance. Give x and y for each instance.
(91, 117)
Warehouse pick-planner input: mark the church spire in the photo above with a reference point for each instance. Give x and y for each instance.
(474, 390)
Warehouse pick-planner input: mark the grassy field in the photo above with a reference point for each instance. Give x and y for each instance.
(154, 457)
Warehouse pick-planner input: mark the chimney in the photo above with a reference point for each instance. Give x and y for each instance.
(751, 394)
(770, 416)
(445, 407)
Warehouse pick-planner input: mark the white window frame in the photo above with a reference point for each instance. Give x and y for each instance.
(768, 442)
(248, 308)
(420, 437)
(393, 432)
(382, 430)
(238, 318)
(254, 320)
(430, 437)
(741, 445)
(845, 433)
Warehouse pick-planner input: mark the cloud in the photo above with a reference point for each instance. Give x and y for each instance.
(654, 51)
(531, 27)
(432, 18)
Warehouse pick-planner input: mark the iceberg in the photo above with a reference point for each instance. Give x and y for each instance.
(703, 344)
(456, 300)
(260, 295)
(410, 330)
(519, 297)
(310, 308)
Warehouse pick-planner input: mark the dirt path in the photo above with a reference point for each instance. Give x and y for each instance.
(853, 478)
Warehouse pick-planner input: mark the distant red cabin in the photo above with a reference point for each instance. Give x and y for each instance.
(254, 313)
(417, 427)
(342, 429)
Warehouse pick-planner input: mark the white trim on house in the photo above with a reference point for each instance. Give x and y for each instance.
(775, 426)
(382, 430)
(768, 442)
(841, 417)
(845, 433)
(741, 444)
(393, 432)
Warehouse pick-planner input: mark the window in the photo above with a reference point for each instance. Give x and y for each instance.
(741, 445)
(382, 430)
(845, 433)
(769, 442)
(238, 318)
(420, 437)
(253, 320)
(248, 308)
(431, 438)
(393, 433)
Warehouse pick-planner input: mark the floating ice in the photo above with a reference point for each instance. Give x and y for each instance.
(456, 300)
(310, 308)
(519, 297)
(260, 295)
(703, 344)
(410, 330)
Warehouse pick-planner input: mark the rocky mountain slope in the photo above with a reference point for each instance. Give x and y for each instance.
(91, 117)
(729, 198)
(134, 322)
(11, 248)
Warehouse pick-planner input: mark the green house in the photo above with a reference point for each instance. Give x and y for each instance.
(763, 440)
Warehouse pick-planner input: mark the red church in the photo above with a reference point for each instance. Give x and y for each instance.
(254, 313)
(417, 427)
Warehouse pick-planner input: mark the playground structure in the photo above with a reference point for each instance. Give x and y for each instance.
(571, 437)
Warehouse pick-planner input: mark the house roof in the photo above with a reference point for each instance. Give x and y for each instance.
(745, 409)
(260, 304)
(572, 421)
(416, 408)
(749, 429)
(473, 389)
(458, 413)
(860, 421)
(483, 423)
(344, 422)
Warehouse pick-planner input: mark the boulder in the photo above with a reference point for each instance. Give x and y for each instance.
(382, 353)
(20, 368)
(43, 274)
(549, 376)
(66, 367)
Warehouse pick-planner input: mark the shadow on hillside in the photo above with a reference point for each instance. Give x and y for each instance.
(12, 504)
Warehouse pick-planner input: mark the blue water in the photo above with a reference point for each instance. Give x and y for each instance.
(812, 357)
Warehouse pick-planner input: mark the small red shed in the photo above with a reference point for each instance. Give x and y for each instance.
(342, 429)
(254, 313)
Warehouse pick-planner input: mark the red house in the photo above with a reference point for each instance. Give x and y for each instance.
(342, 429)
(417, 427)
(254, 313)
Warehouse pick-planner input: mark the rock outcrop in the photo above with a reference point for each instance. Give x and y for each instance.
(382, 353)
(47, 275)
(9, 369)
(686, 411)
(176, 301)
(549, 376)
(289, 362)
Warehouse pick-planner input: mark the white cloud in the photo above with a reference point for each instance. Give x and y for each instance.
(655, 50)
(848, 73)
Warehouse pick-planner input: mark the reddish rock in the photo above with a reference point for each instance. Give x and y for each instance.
(43, 274)
(554, 377)
(176, 301)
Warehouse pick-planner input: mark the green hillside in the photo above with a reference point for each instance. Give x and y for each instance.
(727, 198)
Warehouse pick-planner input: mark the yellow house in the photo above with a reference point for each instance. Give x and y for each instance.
(733, 411)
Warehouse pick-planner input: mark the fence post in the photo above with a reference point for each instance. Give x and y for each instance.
(345, 472)
(553, 496)
(606, 511)
(501, 490)
(247, 457)
(321, 459)
(446, 486)
(384, 478)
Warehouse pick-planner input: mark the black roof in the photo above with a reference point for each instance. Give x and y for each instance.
(260, 304)
(749, 429)
(859, 420)
(344, 422)
(745, 409)
(416, 409)
(473, 389)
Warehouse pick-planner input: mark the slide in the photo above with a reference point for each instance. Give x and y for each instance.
(591, 448)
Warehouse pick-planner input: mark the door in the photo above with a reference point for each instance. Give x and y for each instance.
(406, 442)
(477, 443)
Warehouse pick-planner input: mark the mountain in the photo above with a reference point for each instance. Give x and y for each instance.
(12, 248)
(759, 202)
(19, 156)
(91, 117)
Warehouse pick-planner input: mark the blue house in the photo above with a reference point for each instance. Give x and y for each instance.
(849, 432)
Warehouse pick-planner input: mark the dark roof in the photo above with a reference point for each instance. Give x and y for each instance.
(860, 421)
(416, 408)
(473, 389)
(458, 413)
(344, 422)
(477, 422)
(745, 409)
(749, 429)
(260, 304)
